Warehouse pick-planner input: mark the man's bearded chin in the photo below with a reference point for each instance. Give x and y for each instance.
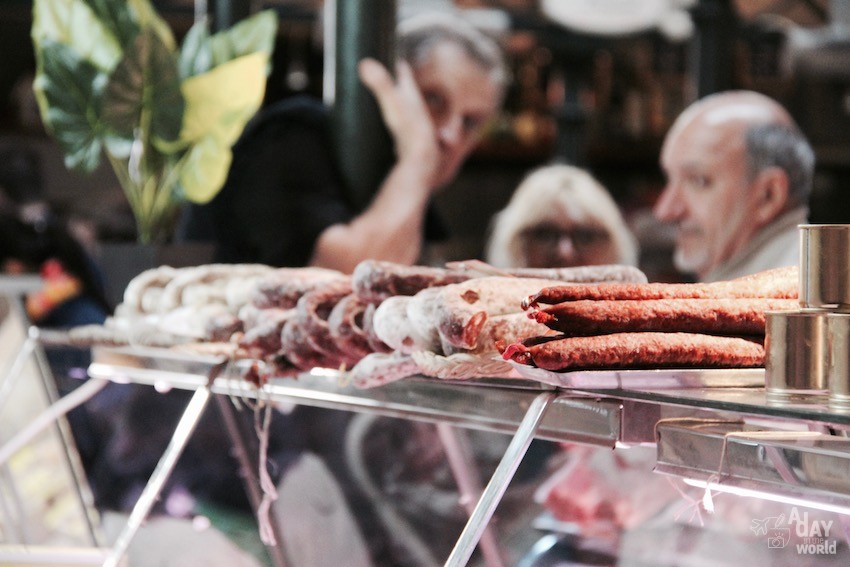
(690, 263)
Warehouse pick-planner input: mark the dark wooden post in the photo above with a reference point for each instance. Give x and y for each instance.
(225, 13)
(363, 146)
(712, 48)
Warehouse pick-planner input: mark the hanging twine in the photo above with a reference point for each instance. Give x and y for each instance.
(262, 421)
(263, 411)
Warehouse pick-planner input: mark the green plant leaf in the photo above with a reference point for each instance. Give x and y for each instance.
(148, 19)
(195, 55)
(205, 170)
(220, 102)
(108, 73)
(74, 24)
(116, 17)
(254, 34)
(72, 89)
(144, 92)
(118, 146)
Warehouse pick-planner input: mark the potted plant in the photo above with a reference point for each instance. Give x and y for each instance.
(111, 80)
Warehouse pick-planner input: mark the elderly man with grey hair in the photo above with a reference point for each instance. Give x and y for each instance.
(284, 202)
(739, 173)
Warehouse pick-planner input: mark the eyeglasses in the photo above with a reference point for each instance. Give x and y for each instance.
(550, 236)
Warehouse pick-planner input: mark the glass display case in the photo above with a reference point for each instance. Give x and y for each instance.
(713, 428)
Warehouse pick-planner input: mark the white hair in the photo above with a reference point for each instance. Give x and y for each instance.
(552, 194)
(417, 35)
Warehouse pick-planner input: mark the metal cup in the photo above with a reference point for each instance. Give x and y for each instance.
(795, 356)
(825, 266)
(838, 367)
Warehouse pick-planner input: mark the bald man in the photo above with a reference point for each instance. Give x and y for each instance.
(739, 173)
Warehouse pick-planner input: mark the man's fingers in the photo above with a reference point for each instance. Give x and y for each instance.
(378, 80)
(405, 74)
(376, 77)
(402, 106)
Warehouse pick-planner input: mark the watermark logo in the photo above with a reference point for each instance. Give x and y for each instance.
(810, 536)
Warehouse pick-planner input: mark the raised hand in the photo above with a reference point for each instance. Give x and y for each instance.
(404, 111)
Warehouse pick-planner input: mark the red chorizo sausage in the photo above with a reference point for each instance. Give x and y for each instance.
(578, 274)
(639, 350)
(780, 283)
(712, 316)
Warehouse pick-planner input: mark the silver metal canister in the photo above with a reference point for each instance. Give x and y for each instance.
(838, 369)
(825, 266)
(796, 355)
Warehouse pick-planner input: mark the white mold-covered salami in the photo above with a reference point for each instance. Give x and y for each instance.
(392, 325)
(283, 287)
(465, 307)
(503, 330)
(379, 369)
(178, 290)
(149, 284)
(375, 280)
(345, 324)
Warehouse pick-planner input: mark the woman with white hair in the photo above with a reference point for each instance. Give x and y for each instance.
(560, 216)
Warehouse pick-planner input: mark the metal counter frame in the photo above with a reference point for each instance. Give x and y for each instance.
(609, 417)
(524, 409)
(521, 408)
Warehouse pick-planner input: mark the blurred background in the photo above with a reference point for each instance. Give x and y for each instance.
(595, 83)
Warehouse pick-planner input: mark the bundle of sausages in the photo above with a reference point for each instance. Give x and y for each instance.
(449, 331)
(376, 323)
(655, 325)
(381, 323)
(167, 306)
(301, 317)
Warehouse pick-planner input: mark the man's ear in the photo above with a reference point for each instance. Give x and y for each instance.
(771, 188)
